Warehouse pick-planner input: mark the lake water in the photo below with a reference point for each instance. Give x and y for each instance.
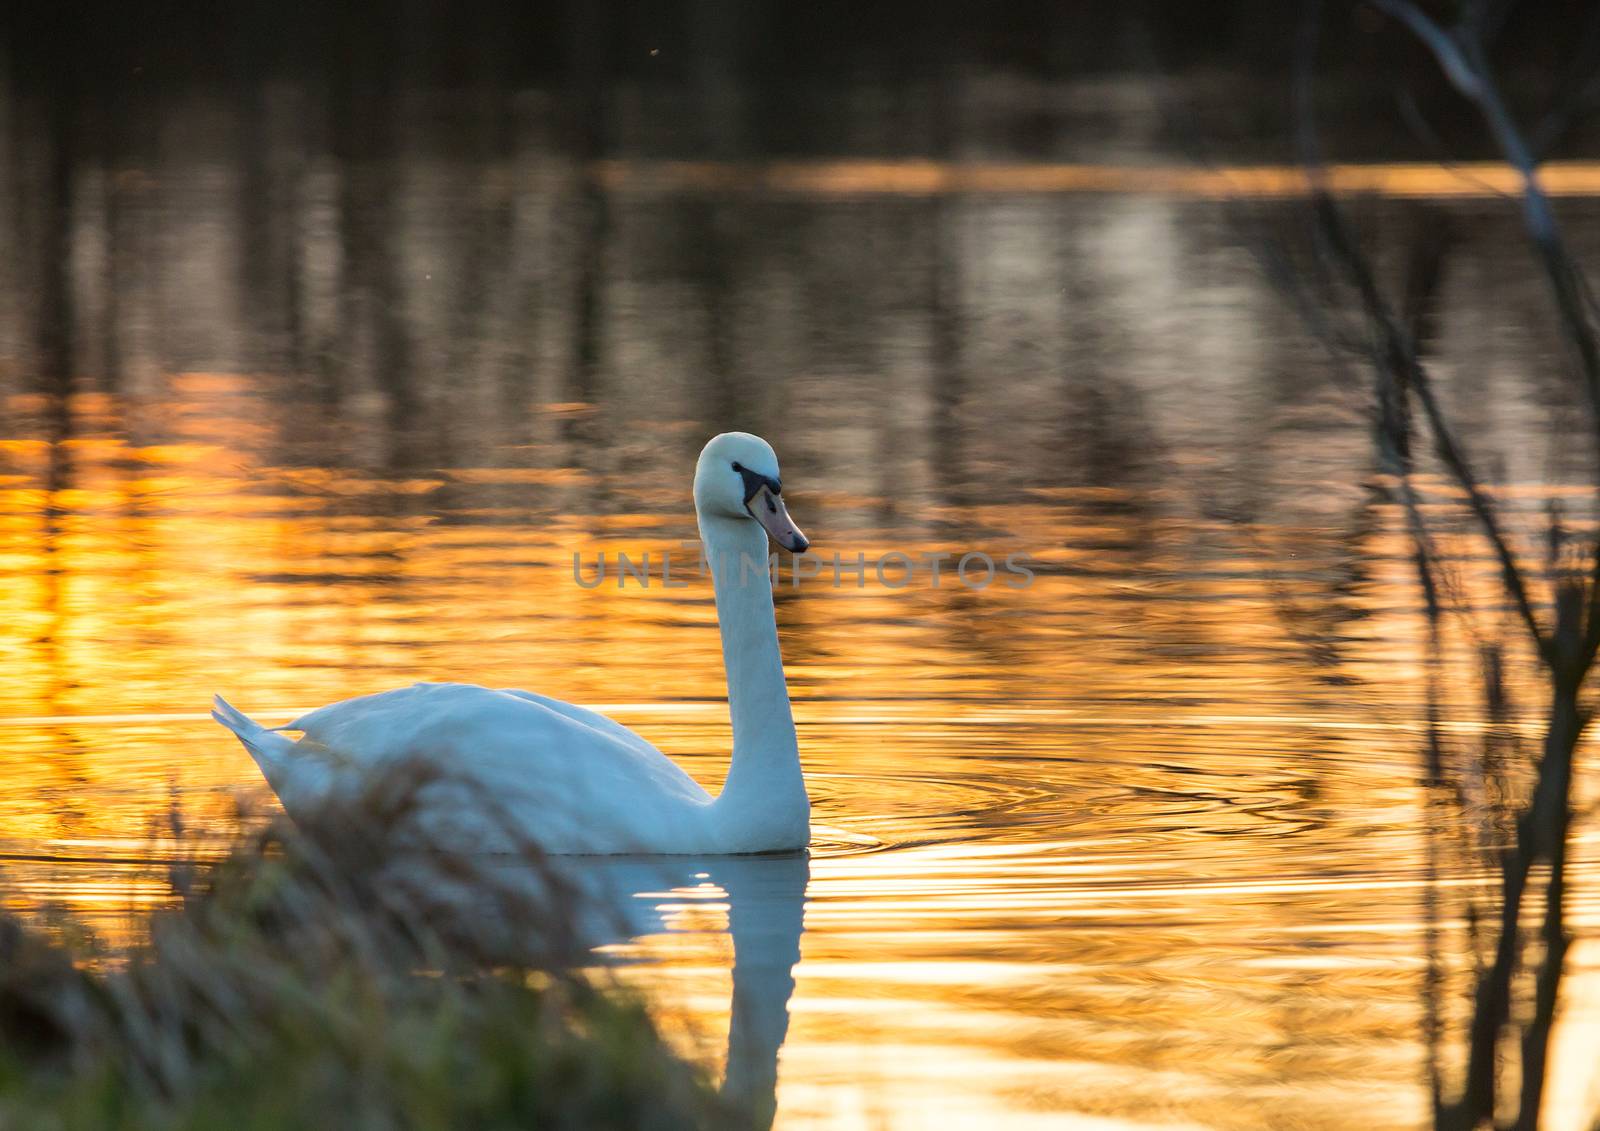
(1138, 844)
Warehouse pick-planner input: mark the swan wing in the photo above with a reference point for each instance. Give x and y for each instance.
(592, 719)
(576, 780)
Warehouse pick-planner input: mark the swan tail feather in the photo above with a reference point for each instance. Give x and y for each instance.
(269, 749)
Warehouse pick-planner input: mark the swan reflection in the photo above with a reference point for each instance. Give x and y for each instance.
(604, 902)
(534, 910)
(629, 898)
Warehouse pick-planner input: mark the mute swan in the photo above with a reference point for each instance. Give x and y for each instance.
(571, 780)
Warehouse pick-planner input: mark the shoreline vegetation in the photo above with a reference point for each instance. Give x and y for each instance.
(338, 977)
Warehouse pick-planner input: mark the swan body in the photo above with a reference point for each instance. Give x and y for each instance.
(516, 766)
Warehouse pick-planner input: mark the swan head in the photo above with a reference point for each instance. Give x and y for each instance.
(737, 477)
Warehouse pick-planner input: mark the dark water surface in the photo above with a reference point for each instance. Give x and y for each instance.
(1139, 844)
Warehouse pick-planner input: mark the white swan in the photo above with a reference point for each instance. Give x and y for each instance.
(570, 779)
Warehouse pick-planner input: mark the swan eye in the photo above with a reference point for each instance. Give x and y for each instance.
(754, 481)
(772, 506)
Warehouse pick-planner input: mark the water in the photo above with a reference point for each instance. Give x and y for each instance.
(1139, 844)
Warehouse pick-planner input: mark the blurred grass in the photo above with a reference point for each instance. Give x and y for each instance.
(325, 978)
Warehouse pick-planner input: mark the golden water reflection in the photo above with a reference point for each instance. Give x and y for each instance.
(1111, 850)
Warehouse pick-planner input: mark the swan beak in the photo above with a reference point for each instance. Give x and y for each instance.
(769, 510)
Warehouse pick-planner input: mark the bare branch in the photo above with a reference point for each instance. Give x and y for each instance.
(1399, 353)
(1460, 56)
(1569, 647)
(1443, 45)
(1397, 364)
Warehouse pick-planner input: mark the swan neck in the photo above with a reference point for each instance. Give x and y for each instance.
(765, 773)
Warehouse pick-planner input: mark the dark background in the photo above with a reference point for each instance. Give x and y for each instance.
(755, 73)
